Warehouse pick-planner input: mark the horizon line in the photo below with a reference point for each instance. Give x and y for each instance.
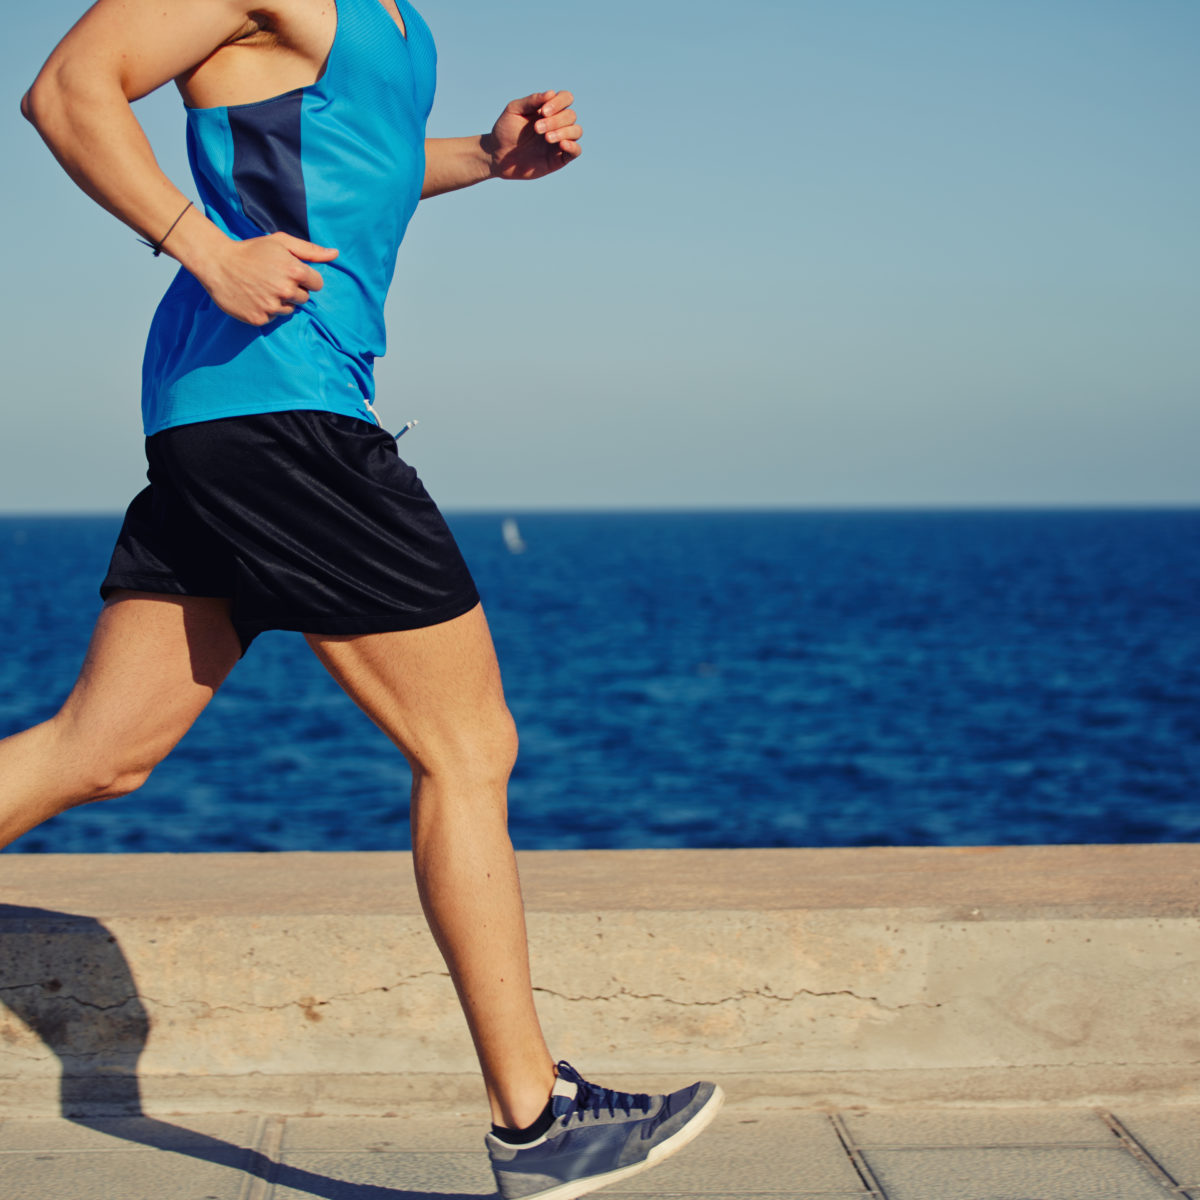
(748, 507)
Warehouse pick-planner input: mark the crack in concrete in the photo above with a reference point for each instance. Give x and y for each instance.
(28, 1057)
(743, 995)
(623, 994)
(689, 1044)
(60, 996)
(308, 1003)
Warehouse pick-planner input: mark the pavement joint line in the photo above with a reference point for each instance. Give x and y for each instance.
(856, 1156)
(268, 1142)
(1139, 1152)
(894, 1146)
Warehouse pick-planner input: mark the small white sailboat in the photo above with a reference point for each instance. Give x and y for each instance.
(511, 532)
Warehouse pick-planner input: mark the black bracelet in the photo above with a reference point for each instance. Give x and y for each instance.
(159, 248)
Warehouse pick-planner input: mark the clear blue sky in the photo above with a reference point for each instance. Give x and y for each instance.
(828, 253)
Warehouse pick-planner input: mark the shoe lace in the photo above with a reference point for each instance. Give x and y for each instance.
(591, 1097)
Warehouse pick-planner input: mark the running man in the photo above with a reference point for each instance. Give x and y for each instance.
(277, 502)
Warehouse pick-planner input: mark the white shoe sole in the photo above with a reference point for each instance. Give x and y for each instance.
(696, 1126)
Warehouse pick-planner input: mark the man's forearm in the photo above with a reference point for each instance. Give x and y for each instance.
(454, 163)
(91, 130)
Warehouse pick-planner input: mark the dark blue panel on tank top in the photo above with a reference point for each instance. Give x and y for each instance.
(266, 164)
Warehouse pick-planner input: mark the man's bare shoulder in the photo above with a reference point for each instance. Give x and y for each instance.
(228, 51)
(276, 47)
(284, 22)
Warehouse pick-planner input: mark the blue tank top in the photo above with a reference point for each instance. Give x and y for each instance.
(340, 163)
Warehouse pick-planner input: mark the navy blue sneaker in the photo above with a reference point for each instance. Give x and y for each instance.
(598, 1137)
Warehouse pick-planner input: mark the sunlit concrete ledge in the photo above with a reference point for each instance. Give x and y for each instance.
(308, 983)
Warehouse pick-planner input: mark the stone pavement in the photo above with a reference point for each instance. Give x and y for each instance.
(1127, 1153)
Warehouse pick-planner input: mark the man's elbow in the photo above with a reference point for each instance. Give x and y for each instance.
(50, 94)
(37, 101)
(63, 91)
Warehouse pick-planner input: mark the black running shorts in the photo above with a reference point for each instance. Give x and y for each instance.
(306, 520)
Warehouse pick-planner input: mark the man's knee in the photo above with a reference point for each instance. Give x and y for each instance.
(96, 772)
(110, 785)
(507, 743)
(104, 782)
(479, 752)
(488, 750)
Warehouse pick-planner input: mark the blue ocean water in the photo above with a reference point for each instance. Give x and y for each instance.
(709, 679)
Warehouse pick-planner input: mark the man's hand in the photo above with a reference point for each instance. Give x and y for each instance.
(263, 278)
(534, 136)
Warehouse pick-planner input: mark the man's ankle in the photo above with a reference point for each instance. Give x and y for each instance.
(518, 1109)
(530, 1133)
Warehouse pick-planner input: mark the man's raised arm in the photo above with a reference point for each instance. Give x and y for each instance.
(119, 51)
(534, 136)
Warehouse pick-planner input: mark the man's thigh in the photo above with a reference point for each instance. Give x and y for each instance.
(433, 691)
(153, 663)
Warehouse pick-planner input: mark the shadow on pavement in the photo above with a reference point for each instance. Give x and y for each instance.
(66, 978)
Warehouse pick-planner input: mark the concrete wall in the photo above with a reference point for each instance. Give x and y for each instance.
(309, 982)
